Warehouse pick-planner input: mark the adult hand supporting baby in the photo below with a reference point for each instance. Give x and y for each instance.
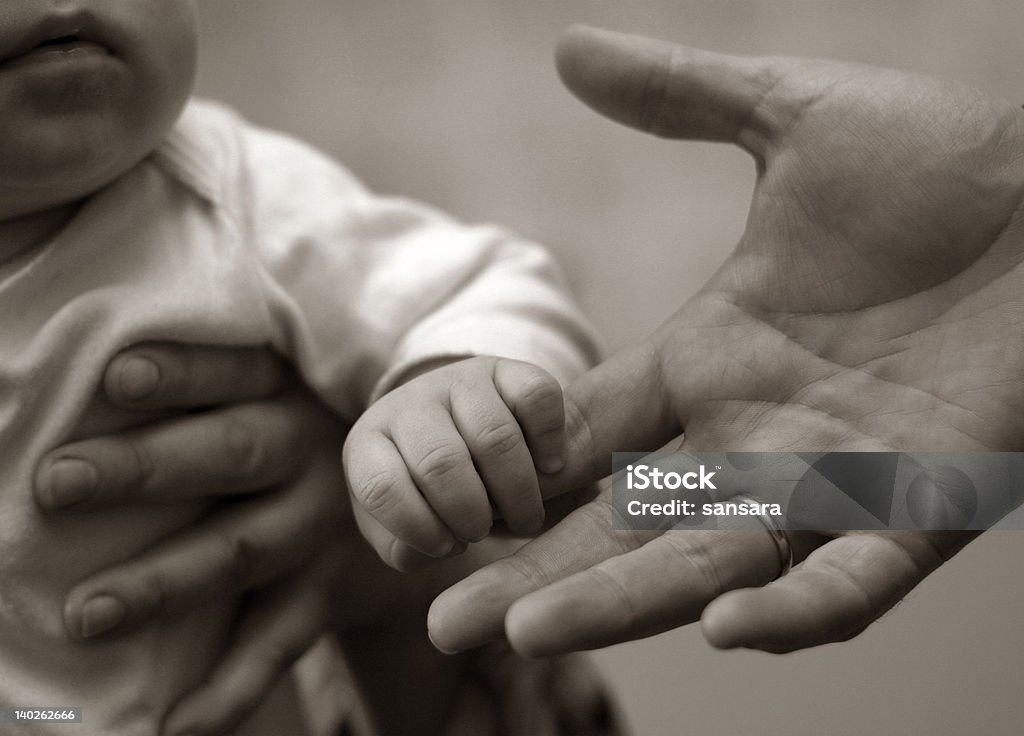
(259, 443)
(232, 425)
(873, 303)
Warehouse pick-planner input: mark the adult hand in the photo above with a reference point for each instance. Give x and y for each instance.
(271, 455)
(231, 425)
(873, 303)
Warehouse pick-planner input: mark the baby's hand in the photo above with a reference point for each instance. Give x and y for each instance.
(426, 462)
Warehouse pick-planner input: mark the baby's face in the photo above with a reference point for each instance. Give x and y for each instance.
(87, 89)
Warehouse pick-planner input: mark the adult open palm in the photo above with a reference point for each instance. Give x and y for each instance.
(874, 302)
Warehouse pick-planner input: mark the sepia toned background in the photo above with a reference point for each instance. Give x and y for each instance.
(456, 102)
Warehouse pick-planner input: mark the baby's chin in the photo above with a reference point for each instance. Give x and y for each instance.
(52, 176)
(56, 151)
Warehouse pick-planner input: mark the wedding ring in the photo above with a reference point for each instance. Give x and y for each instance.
(777, 533)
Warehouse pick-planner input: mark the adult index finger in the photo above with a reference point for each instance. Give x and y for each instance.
(472, 611)
(173, 376)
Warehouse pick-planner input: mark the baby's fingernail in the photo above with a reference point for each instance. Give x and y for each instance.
(534, 527)
(68, 481)
(484, 533)
(138, 378)
(457, 549)
(551, 465)
(100, 614)
(442, 549)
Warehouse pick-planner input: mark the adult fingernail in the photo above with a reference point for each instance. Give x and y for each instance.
(68, 481)
(138, 378)
(100, 614)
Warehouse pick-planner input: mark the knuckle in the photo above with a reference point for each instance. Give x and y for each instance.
(710, 573)
(440, 463)
(859, 599)
(540, 392)
(377, 492)
(498, 440)
(528, 569)
(694, 553)
(629, 618)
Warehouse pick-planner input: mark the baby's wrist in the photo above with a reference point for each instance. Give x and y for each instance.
(427, 366)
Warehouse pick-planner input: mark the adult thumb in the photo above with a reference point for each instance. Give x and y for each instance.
(671, 90)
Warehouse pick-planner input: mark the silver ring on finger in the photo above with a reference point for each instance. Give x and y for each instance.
(779, 537)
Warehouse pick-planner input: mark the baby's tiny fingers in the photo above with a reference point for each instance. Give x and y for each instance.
(441, 463)
(392, 551)
(501, 457)
(535, 398)
(381, 486)
(171, 376)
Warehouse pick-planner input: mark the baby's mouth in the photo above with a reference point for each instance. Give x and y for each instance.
(68, 44)
(60, 48)
(71, 36)
(62, 41)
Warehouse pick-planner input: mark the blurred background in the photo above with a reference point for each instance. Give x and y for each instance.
(457, 103)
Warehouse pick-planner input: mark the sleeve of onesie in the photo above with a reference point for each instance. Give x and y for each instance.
(362, 288)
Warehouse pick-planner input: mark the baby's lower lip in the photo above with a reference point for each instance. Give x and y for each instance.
(63, 53)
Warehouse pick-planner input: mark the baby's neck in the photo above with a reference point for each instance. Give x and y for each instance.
(21, 234)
